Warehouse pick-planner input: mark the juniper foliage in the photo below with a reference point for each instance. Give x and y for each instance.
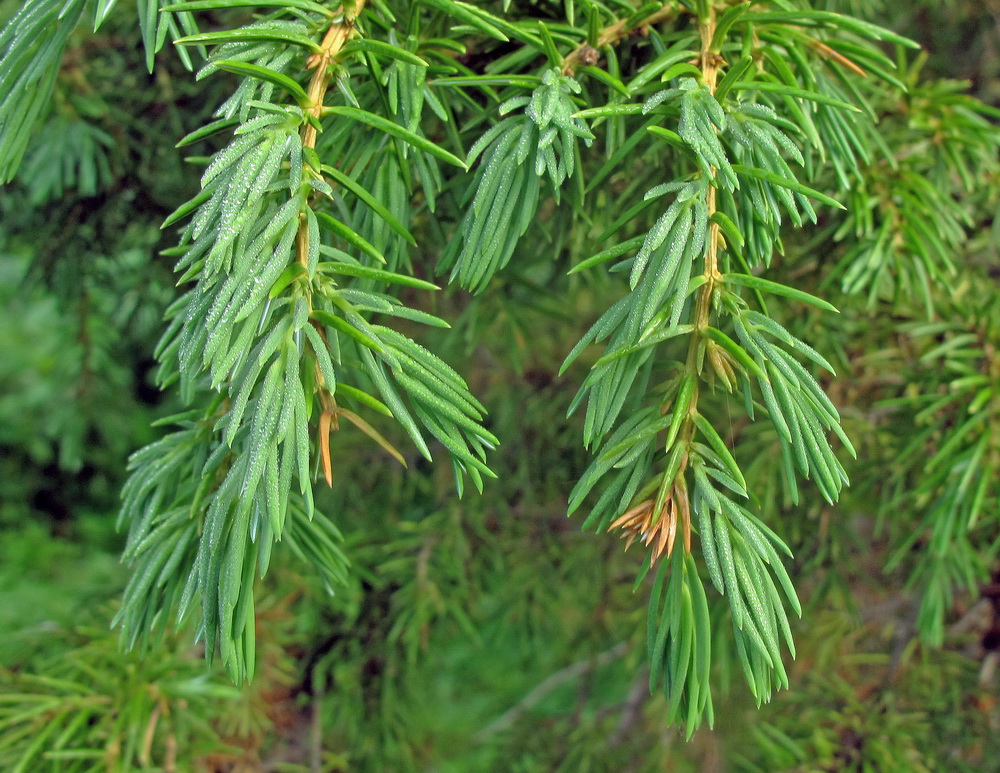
(747, 166)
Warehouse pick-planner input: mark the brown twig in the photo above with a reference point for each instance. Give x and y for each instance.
(612, 36)
(336, 37)
(334, 40)
(709, 62)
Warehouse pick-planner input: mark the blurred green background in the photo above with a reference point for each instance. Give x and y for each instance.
(477, 635)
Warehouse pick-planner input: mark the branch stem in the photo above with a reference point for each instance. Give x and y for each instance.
(333, 41)
(336, 37)
(612, 36)
(709, 63)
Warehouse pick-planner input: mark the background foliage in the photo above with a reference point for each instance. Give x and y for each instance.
(489, 632)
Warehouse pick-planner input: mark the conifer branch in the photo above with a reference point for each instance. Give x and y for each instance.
(741, 188)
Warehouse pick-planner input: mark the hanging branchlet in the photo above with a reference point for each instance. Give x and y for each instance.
(688, 280)
(278, 322)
